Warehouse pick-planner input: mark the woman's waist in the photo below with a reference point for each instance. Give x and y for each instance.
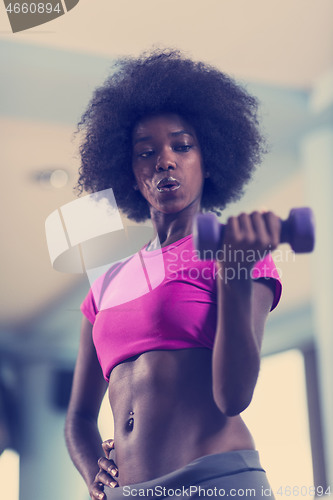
(167, 396)
(157, 436)
(201, 469)
(153, 449)
(165, 415)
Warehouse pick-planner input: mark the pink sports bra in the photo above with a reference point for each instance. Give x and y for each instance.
(161, 299)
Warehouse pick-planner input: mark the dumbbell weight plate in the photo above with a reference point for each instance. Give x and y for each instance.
(206, 235)
(298, 230)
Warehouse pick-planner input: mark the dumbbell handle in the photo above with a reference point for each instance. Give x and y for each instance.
(298, 230)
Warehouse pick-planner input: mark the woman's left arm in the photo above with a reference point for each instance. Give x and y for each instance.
(243, 307)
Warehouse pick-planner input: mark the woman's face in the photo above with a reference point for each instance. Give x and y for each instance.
(167, 163)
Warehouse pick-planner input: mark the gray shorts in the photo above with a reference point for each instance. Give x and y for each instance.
(234, 474)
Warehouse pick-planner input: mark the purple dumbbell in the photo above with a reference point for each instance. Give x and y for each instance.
(298, 230)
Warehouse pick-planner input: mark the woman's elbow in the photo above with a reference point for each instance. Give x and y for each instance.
(233, 404)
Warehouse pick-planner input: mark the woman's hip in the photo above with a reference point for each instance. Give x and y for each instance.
(236, 474)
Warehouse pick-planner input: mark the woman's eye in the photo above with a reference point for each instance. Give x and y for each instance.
(146, 154)
(184, 148)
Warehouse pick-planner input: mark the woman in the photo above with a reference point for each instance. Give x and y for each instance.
(172, 138)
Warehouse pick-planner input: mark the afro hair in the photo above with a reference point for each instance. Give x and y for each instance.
(222, 113)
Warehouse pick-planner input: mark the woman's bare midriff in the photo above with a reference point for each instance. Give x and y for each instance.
(165, 415)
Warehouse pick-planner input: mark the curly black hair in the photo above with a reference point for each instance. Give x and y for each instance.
(221, 112)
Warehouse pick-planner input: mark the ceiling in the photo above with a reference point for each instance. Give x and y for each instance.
(276, 41)
(280, 48)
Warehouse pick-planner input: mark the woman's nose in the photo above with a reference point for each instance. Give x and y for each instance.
(165, 162)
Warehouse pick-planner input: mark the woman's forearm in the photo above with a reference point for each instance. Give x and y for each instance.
(84, 444)
(236, 353)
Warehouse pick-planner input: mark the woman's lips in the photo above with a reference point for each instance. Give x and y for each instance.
(168, 184)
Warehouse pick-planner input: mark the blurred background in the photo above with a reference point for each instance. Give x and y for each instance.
(282, 52)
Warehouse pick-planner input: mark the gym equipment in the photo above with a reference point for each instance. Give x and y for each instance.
(298, 230)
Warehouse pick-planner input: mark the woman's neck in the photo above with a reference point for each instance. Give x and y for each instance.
(169, 228)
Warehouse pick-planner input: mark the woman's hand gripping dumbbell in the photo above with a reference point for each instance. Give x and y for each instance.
(298, 230)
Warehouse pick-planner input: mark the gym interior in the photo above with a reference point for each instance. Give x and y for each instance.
(283, 54)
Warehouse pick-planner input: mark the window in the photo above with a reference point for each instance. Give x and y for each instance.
(278, 420)
(9, 474)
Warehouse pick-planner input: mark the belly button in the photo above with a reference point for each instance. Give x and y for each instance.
(130, 424)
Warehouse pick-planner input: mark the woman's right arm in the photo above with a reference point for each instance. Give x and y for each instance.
(82, 436)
